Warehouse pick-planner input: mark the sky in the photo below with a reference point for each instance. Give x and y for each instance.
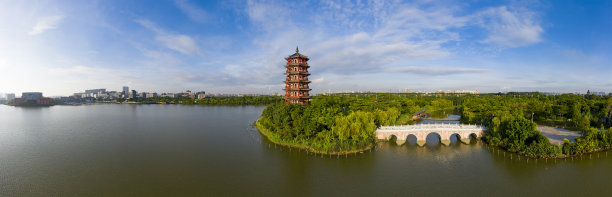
(232, 46)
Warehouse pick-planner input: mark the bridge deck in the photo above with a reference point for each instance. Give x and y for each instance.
(429, 127)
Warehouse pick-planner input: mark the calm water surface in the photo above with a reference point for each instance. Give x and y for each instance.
(174, 150)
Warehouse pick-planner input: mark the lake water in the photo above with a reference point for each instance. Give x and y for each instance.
(176, 150)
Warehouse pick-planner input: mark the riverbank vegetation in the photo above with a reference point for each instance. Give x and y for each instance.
(339, 123)
(343, 123)
(511, 121)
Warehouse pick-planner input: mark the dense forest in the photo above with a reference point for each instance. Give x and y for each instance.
(344, 123)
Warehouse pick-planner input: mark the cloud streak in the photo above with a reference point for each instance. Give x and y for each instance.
(180, 43)
(437, 71)
(45, 23)
(510, 28)
(193, 12)
(177, 42)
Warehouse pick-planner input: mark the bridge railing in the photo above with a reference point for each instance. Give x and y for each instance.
(433, 126)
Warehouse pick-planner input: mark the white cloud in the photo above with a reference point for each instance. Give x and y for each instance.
(177, 42)
(510, 28)
(193, 12)
(159, 59)
(45, 23)
(318, 80)
(180, 43)
(268, 15)
(352, 38)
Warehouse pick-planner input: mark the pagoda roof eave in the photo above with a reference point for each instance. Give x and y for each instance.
(297, 54)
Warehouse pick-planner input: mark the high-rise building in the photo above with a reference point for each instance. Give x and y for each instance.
(133, 94)
(296, 82)
(126, 91)
(10, 97)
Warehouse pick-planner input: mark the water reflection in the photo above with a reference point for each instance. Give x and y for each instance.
(433, 140)
(149, 150)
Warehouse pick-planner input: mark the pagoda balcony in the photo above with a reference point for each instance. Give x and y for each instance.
(297, 64)
(297, 81)
(297, 97)
(297, 89)
(298, 73)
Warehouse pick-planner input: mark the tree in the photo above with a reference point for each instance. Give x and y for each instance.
(576, 114)
(584, 122)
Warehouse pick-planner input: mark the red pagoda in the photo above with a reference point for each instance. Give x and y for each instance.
(296, 83)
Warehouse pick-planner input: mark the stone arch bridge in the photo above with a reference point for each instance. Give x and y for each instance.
(420, 131)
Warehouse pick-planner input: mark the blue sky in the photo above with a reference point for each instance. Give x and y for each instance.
(62, 47)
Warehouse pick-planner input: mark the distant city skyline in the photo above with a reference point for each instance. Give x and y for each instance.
(62, 47)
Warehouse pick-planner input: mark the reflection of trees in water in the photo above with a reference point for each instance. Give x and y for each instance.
(520, 166)
(297, 166)
(432, 149)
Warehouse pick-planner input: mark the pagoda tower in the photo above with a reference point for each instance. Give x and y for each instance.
(296, 82)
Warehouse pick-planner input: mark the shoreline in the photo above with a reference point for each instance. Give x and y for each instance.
(559, 156)
(142, 103)
(263, 132)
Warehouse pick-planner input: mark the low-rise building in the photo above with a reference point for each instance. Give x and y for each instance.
(32, 98)
(96, 91)
(31, 95)
(187, 94)
(169, 95)
(150, 95)
(201, 95)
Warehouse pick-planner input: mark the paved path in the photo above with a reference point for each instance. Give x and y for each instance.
(556, 135)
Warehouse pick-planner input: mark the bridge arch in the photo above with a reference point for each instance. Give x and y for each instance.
(395, 139)
(463, 137)
(476, 135)
(392, 137)
(437, 136)
(412, 139)
(456, 137)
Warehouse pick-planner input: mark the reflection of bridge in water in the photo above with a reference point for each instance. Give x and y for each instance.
(420, 131)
